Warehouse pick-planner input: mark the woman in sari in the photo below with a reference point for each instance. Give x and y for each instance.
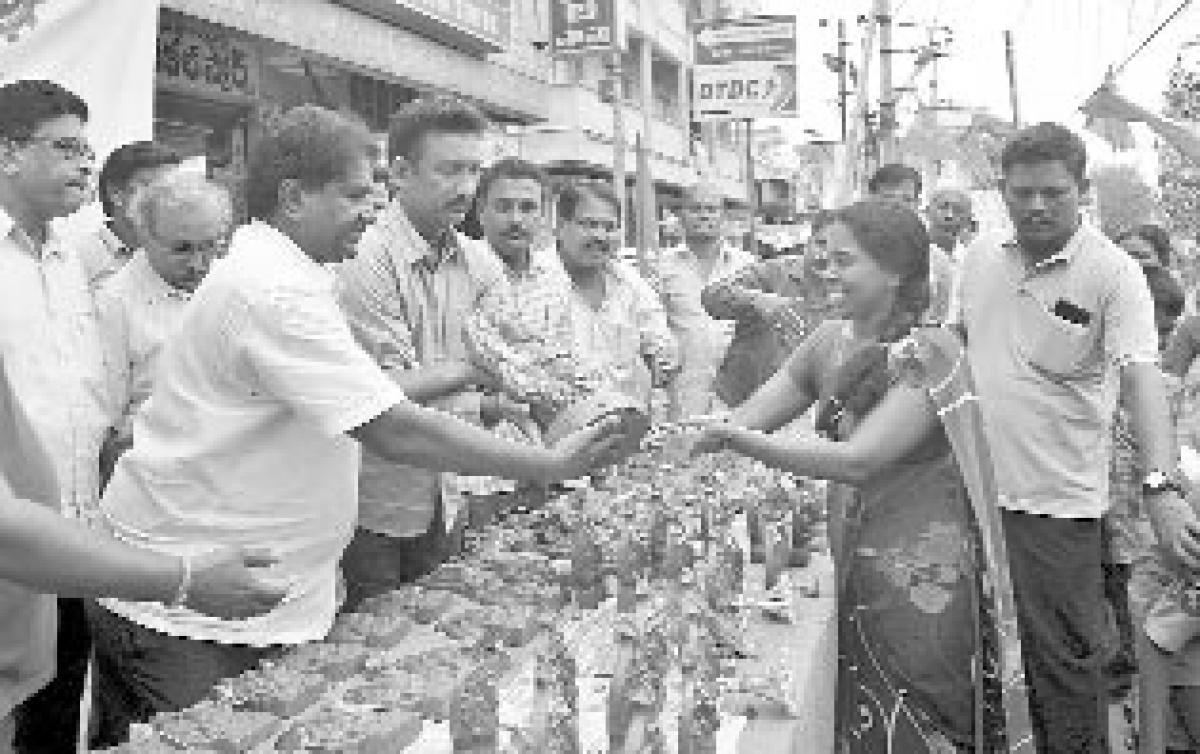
(929, 659)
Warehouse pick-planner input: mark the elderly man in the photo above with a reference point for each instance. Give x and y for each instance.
(249, 437)
(126, 171)
(683, 273)
(407, 295)
(618, 319)
(184, 223)
(1059, 320)
(948, 217)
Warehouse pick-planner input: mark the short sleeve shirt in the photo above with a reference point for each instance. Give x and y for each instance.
(1047, 343)
(243, 441)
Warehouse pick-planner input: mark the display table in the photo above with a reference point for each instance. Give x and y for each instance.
(611, 618)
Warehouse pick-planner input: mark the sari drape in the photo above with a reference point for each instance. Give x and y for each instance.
(929, 649)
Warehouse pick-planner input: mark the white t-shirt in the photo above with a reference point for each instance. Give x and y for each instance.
(243, 440)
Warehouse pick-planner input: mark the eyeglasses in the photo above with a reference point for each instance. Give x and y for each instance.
(597, 226)
(68, 146)
(198, 250)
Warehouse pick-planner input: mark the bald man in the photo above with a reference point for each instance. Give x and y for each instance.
(949, 217)
(683, 273)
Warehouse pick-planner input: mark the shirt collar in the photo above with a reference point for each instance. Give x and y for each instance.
(261, 234)
(414, 250)
(10, 229)
(154, 285)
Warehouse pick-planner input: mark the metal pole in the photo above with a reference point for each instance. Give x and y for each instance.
(843, 71)
(647, 217)
(887, 98)
(751, 189)
(618, 125)
(1010, 62)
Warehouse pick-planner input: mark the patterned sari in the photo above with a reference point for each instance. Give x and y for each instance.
(929, 653)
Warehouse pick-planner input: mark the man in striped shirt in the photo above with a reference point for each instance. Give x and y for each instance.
(407, 295)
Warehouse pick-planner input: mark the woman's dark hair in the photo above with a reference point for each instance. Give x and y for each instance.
(895, 238)
(1158, 239)
(310, 144)
(1165, 290)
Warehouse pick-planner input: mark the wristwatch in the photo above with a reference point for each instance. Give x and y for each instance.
(1157, 482)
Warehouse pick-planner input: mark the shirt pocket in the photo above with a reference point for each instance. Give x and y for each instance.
(1052, 346)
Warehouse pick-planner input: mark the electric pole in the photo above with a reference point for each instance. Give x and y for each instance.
(887, 97)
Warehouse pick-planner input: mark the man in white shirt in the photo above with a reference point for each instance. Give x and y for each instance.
(50, 344)
(948, 218)
(249, 435)
(1059, 322)
(618, 318)
(184, 222)
(682, 275)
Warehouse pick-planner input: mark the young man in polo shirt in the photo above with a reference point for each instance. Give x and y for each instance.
(251, 436)
(1058, 321)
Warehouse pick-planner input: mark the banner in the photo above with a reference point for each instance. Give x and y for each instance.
(745, 68)
(579, 26)
(102, 51)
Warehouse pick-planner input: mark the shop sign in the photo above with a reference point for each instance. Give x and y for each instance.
(206, 60)
(745, 68)
(487, 19)
(482, 24)
(578, 26)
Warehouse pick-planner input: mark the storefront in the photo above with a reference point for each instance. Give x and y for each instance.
(227, 67)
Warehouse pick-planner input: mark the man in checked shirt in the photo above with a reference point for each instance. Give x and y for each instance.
(407, 296)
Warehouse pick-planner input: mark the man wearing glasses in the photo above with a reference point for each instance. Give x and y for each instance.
(617, 317)
(183, 222)
(50, 346)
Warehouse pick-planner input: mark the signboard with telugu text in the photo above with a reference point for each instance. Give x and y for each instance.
(745, 68)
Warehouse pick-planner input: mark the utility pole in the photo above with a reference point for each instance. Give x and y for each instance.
(751, 188)
(1010, 61)
(843, 73)
(887, 98)
(647, 216)
(618, 127)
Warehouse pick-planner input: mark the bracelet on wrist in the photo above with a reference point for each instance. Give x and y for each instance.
(185, 582)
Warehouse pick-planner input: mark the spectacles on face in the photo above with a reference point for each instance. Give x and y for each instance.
(198, 250)
(595, 225)
(68, 146)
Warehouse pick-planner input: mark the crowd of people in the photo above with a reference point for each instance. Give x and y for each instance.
(220, 434)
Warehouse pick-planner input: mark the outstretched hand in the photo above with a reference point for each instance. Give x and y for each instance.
(234, 583)
(1178, 530)
(713, 438)
(593, 446)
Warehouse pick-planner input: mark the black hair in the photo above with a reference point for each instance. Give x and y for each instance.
(571, 195)
(415, 120)
(894, 174)
(28, 103)
(1046, 142)
(895, 238)
(1165, 290)
(310, 144)
(510, 168)
(126, 161)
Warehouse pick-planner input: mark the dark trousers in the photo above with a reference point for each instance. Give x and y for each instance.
(140, 672)
(374, 564)
(1058, 587)
(48, 722)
